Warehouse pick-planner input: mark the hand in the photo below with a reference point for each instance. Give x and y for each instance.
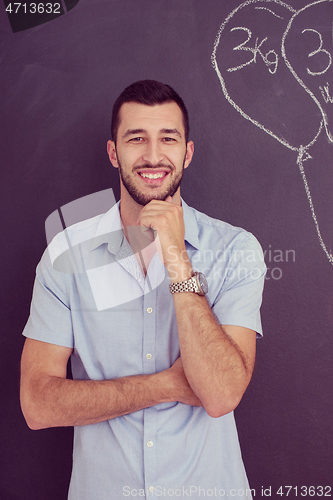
(183, 390)
(166, 218)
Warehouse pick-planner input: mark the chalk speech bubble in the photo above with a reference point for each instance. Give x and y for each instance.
(265, 54)
(305, 45)
(250, 65)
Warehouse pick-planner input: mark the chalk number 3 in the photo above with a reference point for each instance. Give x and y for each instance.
(317, 51)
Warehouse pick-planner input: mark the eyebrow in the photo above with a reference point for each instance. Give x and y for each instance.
(170, 131)
(133, 132)
(141, 131)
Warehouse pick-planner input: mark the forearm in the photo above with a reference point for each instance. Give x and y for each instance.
(214, 365)
(54, 401)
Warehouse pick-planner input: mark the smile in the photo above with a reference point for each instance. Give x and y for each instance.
(153, 176)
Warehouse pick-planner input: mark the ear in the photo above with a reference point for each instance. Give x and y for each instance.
(189, 153)
(112, 153)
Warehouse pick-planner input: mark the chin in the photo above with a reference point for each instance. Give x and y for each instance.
(143, 200)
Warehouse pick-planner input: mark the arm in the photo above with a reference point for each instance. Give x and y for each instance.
(48, 399)
(218, 361)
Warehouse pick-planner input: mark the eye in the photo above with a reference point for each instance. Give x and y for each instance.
(136, 139)
(169, 139)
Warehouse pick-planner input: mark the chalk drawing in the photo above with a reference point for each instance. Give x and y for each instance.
(269, 10)
(297, 77)
(325, 92)
(255, 48)
(317, 51)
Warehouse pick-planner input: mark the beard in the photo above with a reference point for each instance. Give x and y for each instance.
(144, 199)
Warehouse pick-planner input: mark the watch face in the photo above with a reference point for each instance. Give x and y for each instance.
(203, 283)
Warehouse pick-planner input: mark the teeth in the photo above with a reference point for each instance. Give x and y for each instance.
(153, 176)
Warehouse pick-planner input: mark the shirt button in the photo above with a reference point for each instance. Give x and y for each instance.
(151, 489)
(149, 356)
(149, 310)
(150, 444)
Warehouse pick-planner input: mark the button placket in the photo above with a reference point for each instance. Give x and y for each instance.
(149, 333)
(149, 448)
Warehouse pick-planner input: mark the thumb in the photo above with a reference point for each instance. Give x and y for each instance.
(169, 199)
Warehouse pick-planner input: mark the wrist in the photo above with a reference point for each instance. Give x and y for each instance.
(164, 386)
(181, 271)
(179, 267)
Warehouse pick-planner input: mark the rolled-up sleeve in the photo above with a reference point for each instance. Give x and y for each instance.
(239, 299)
(50, 314)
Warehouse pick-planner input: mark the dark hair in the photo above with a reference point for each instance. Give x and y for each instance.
(148, 92)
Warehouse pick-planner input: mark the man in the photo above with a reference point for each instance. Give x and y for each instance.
(159, 362)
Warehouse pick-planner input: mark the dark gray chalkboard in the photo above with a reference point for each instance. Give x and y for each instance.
(257, 80)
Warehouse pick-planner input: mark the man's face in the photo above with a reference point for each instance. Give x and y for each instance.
(151, 152)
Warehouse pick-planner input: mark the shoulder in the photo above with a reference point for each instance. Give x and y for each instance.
(83, 232)
(214, 232)
(72, 236)
(205, 222)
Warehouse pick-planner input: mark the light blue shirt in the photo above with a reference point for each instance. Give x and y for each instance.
(91, 295)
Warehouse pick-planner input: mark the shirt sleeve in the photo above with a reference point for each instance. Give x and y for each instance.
(50, 315)
(239, 299)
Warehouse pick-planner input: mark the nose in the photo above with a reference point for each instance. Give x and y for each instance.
(153, 153)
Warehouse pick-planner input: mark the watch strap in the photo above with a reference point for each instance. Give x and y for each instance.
(189, 285)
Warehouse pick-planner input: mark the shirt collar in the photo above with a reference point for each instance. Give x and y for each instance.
(191, 226)
(110, 229)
